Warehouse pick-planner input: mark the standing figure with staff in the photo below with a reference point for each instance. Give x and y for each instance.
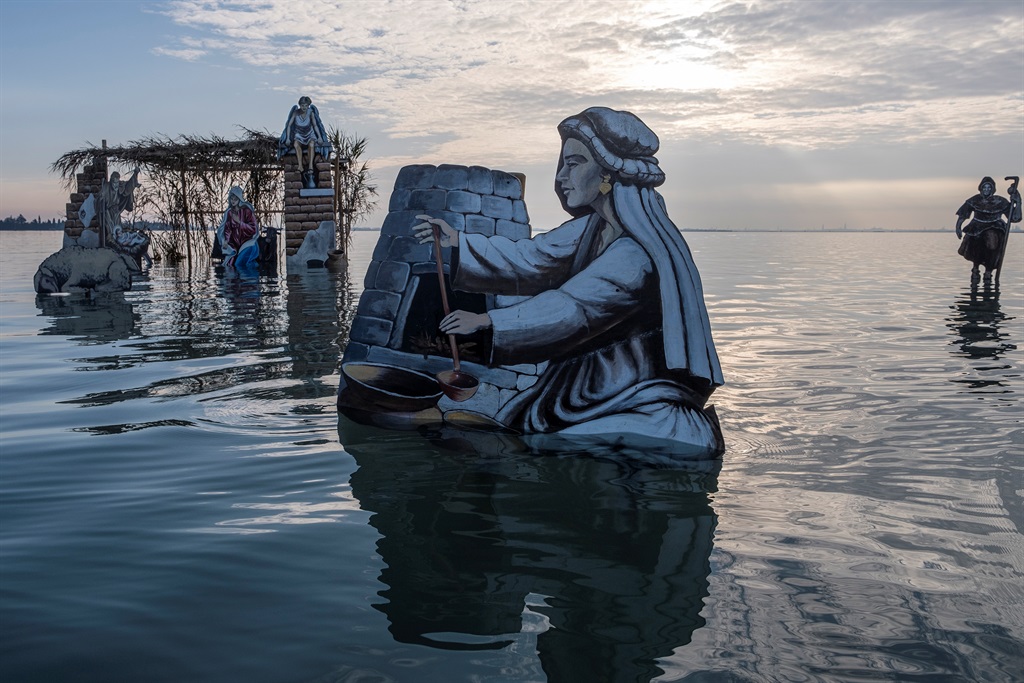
(984, 238)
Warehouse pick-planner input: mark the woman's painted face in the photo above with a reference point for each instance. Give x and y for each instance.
(580, 176)
(233, 199)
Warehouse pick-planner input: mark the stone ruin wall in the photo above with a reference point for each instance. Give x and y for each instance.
(472, 199)
(89, 181)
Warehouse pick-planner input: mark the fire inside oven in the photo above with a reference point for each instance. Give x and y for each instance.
(419, 331)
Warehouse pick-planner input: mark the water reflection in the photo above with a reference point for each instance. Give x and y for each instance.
(977, 323)
(239, 335)
(97, 319)
(318, 307)
(605, 562)
(249, 315)
(182, 319)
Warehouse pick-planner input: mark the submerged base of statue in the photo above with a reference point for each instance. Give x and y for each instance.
(411, 397)
(472, 432)
(259, 254)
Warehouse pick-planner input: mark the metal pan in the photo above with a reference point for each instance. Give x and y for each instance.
(390, 387)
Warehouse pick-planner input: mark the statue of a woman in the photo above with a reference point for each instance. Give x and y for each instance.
(615, 301)
(238, 232)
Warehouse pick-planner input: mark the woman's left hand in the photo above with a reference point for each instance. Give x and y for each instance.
(464, 322)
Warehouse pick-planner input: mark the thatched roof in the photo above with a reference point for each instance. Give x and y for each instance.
(257, 150)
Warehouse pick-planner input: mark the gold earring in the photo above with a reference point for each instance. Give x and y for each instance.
(606, 186)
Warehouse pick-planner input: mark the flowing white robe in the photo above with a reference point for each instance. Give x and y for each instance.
(595, 315)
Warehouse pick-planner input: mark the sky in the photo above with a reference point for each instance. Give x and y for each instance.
(771, 114)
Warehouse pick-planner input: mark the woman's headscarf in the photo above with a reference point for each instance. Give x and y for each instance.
(235, 191)
(624, 145)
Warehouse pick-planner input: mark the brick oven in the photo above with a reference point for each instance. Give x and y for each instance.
(400, 308)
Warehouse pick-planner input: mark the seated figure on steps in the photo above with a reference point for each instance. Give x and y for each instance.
(304, 130)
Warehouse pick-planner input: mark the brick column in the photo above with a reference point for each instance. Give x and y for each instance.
(305, 210)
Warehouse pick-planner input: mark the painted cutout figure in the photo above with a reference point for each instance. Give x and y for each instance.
(304, 130)
(615, 303)
(238, 232)
(983, 239)
(116, 196)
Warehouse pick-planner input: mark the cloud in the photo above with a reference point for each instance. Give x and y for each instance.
(783, 72)
(868, 88)
(481, 82)
(187, 54)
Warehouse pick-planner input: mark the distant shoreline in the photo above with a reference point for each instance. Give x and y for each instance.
(1016, 229)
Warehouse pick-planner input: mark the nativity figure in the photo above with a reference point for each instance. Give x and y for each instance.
(983, 240)
(304, 130)
(238, 232)
(613, 301)
(116, 196)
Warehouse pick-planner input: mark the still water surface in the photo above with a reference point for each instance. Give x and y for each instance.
(179, 500)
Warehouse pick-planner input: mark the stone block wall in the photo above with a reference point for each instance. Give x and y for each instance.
(89, 181)
(305, 210)
(472, 199)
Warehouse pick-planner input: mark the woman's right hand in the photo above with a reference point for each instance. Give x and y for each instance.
(464, 322)
(424, 232)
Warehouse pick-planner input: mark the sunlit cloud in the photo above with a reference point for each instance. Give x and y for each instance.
(473, 82)
(807, 73)
(187, 54)
(738, 91)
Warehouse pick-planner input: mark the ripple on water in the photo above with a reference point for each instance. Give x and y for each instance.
(177, 491)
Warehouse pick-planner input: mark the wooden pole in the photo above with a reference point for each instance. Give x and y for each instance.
(184, 212)
(1002, 252)
(339, 228)
(1009, 224)
(102, 222)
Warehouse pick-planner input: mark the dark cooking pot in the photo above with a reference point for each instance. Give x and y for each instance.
(390, 387)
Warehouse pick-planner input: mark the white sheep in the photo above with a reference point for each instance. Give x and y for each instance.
(80, 268)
